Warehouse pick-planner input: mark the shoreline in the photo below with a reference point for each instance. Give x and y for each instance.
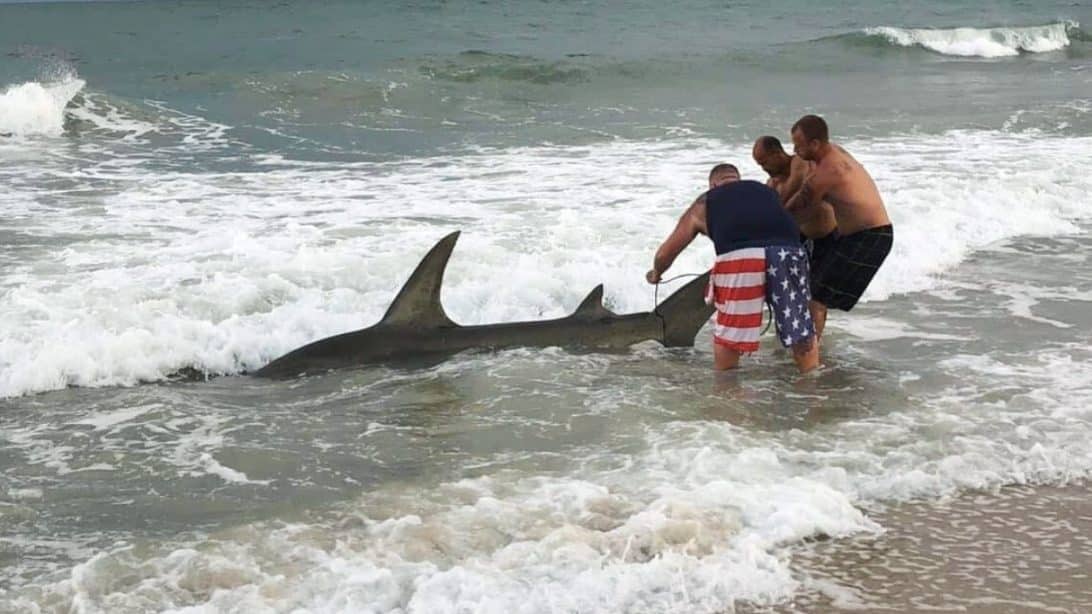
(1019, 549)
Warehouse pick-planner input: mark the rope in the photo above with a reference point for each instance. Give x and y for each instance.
(656, 299)
(656, 291)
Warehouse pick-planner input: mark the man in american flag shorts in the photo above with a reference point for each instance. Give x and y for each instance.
(759, 260)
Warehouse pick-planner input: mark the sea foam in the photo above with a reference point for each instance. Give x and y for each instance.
(981, 42)
(223, 272)
(34, 108)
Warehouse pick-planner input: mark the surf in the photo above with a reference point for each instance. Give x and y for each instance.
(981, 42)
(33, 108)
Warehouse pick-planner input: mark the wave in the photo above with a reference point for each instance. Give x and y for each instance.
(473, 66)
(96, 112)
(696, 514)
(34, 108)
(981, 42)
(228, 304)
(65, 107)
(213, 276)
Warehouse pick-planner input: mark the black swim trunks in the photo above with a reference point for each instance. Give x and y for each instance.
(848, 266)
(819, 250)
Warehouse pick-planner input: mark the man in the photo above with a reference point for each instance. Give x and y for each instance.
(865, 234)
(818, 226)
(759, 259)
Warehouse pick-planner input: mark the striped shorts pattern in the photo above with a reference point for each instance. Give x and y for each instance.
(744, 280)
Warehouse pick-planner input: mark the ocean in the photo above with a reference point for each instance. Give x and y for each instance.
(191, 189)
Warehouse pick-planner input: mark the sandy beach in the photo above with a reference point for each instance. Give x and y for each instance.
(1020, 549)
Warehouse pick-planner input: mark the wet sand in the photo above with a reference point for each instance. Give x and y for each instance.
(1021, 549)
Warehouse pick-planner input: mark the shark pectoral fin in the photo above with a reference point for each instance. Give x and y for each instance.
(418, 303)
(592, 306)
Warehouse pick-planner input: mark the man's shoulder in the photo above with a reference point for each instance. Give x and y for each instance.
(748, 186)
(836, 164)
(744, 188)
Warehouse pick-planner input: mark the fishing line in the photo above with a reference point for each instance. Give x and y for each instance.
(656, 299)
(656, 291)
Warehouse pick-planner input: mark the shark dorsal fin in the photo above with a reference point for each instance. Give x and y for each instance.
(418, 303)
(592, 305)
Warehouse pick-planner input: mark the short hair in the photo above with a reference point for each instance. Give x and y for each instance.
(813, 128)
(723, 168)
(769, 144)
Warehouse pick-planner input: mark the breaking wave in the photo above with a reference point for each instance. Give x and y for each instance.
(982, 42)
(218, 283)
(34, 108)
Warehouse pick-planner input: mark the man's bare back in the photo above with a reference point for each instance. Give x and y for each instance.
(839, 179)
(852, 193)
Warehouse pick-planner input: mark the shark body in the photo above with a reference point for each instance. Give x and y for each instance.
(416, 326)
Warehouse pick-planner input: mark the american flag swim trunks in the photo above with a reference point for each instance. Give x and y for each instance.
(744, 280)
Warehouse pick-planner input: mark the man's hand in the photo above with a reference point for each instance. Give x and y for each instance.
(652, 276)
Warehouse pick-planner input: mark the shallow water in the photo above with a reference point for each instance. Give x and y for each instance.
(193, 189)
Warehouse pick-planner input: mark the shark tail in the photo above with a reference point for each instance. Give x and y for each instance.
(684, 313)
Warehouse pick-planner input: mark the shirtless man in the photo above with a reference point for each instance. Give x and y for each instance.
(759, 260)
(818, 225)
(865, 234)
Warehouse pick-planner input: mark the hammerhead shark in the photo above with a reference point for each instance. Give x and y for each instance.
(415, 326)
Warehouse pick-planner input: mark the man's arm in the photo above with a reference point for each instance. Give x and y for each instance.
(813, 189)
(798, 171)
(690, 225)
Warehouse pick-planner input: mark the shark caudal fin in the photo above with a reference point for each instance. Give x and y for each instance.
(418, 303)
(684, 313)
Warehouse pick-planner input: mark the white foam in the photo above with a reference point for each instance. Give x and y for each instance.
(881, 329)
(214, 467)
(225, 271)
(197, 438)
(103, 115)
(981, 42)
(951, 195)
(40, 450)
(25, 494)
(96, 467)
(700, 517)
(1022, 298)
(196, 132)
(106, 420)
(698, 520)
(37, 108)
(533, 545)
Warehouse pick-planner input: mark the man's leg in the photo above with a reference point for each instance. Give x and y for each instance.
(724, 358)
(818, 317)
(806, 354)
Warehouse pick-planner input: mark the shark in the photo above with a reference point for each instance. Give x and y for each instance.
(416, 327)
